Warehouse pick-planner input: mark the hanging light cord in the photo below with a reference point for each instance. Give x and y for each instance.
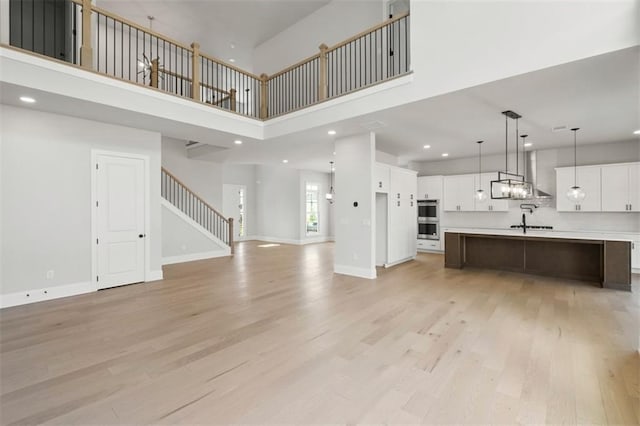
(480, 165)
(575, 157)
(517, 156)
(506, 144)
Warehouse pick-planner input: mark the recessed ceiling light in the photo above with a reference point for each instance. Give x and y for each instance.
(444, 154)
(27, 99)
(233, 45)
(331, 132)
(238, 142)
(637, 132)
(334, 153)
(285, 161)
(528, 144)
(232, 60)
(427, 146)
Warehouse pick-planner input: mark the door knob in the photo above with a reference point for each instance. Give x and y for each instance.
(141, 236)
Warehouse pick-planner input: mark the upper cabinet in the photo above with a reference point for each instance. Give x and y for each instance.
(381, 178)
(460, 190)
(608, 188)
(430, 188)
(490, 205)
(588, 178)
(621, 188)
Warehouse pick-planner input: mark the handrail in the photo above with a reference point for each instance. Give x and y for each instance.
(174, 74)
(296, 65)
(233, 67)
(383, 53)
(192, 193)
(368, 31)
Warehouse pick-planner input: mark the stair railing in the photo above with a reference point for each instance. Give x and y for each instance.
(185, 200)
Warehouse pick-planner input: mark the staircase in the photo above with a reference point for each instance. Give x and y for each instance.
(195, 208)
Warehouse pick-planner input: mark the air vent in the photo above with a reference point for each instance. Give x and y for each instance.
(372, 125)
(559, 128)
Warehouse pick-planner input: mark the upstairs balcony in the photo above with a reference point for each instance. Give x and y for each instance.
(83, 35)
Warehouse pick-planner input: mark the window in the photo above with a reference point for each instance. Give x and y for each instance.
(313, 192)
(241, 212)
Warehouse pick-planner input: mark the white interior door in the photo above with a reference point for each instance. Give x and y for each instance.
(234, 206)
(120, 220)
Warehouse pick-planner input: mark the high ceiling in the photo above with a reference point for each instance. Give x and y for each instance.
(601, 95)
(228, 29)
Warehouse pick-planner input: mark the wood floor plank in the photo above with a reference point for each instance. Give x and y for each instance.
(271, 335)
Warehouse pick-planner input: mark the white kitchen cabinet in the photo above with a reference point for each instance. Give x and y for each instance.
(381, 178)
(589, 179)
(430, 188)
(489, 205)
(458, 193)
(430, 245)
(402, 215)
(620, 187)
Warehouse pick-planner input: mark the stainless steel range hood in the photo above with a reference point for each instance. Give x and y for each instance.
(531, 175)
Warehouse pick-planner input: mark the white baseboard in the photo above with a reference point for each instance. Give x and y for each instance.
(305, 241)
(355, 272)
(170, 260)
(397, 262)
(47, 293)
(154, 275)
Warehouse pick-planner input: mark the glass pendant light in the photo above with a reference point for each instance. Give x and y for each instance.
(575, 193)
(481, 195)
(329, 195)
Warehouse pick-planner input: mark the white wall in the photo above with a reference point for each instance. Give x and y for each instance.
(355, 226)
(202, 177)
(548, 160)
(278, 202)
(46, 195)
(459, 44)
(330, 24)
(181, 241)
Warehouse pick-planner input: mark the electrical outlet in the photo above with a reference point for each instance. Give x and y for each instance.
(50, 274)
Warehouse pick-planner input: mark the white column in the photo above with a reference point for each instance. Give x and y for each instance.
(355, 206)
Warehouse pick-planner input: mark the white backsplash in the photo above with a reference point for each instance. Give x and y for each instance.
(561, 221)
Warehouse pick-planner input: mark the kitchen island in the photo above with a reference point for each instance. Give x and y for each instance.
(605, 259)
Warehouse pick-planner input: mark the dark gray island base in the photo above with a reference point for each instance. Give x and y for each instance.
(605, 262)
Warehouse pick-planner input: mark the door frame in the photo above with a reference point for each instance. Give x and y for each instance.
(147, 213)
(245, 237)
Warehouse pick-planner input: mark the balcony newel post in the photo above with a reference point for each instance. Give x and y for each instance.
(155, 69)
(264, 96)
(231, 245)
(86, 50)
(195, 87)
(322, 84)
(232, 99)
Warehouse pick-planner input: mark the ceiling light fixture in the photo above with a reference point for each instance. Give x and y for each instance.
(528, 144)
(575, 193)
(331, 132)
(445, 154)
(637, 132)
(238, 142)
(427, 146)
(480, 195)
(232, 60)
(285, 161)
(329, 195)
(27, 99)
(510, 186)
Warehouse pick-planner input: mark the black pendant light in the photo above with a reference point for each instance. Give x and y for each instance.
(510, 186)
(480, 195)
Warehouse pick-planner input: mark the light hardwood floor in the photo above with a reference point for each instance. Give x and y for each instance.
(273, 336)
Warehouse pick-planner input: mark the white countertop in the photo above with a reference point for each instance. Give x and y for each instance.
(541, 233)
